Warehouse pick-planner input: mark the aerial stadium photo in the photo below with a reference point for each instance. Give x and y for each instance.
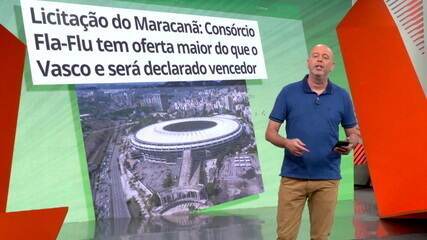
(156, 149)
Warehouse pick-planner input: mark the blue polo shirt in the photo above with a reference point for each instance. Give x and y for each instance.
(314, 120)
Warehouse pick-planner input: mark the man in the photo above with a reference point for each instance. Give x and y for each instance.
(313, 109)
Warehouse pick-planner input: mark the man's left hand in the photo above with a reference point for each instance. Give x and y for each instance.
(353, 139)
(344, 150)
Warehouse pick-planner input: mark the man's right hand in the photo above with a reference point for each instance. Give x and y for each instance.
(296, 146)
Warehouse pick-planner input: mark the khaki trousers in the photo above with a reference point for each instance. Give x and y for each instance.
(322, 200)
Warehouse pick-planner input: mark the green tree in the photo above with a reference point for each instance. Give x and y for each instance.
(154, 200)
(168, 181)
(212, 190)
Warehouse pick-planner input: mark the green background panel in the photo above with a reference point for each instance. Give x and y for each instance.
(49, 165)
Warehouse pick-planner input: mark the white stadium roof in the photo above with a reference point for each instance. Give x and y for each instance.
(186, 133)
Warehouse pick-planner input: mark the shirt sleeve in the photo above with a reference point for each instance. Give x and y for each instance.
(348, 118)
(278, 114)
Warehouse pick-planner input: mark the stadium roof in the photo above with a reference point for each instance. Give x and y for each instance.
(188, 133)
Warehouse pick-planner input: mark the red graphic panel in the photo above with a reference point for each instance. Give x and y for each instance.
(35, 224)
(391, 107)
